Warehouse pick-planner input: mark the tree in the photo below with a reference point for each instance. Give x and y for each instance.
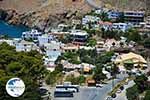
(91, 42)
(66, 39)
(50, 78)
(147, 95)
(133, 35)
(141, 83)
(14, 67)
(120, 18)
(121, 44)
(104, 58)
(104, 16)
(27, 66)
(59, 68)
(76, 80)
(128, 66)
(54, 76)
(147, 43)
(72, 57)
(132, 93)
(114, 69)
(110, 34)
(98, 75)
(113, 44)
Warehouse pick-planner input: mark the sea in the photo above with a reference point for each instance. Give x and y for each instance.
(12, 31)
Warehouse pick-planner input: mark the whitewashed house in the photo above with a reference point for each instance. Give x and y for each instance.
(26, 46)
(33, 34)
(121, 26)
(11, 42)
(89, 18)
(44, 39)
(53, 51)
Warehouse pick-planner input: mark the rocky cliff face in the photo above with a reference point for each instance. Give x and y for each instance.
(40, 20)
(44, 14)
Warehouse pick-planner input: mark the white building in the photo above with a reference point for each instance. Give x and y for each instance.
(26, 46)
(89, 18)
(121, 26)
(98, 11)
(45, 39)
(53, 51)
(33, 34)
(12, 42)
(79, 37)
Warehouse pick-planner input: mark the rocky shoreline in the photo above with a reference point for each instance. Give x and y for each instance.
(39, 19)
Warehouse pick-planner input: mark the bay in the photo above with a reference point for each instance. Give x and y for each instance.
(12, 30)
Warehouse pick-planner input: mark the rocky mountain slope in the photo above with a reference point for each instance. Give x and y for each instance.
(46, 13)
(42, 13)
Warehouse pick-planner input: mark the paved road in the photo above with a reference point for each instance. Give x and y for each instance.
(122, 95)
(91, 93)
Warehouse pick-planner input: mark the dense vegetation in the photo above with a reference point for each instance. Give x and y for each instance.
(90, 57)
(55, 76)
(76, 80)
(26, 65)
(139, 87)
(132, 93)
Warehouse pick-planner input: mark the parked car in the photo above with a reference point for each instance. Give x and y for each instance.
(118, 91)
(109, 98)
(113, 95)
(122, 87)
(99, 85)
(43, 91)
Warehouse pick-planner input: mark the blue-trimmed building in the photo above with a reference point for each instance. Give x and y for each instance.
(134, 17)
(114, 15)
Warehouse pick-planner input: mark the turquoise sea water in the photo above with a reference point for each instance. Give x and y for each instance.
(11, 30)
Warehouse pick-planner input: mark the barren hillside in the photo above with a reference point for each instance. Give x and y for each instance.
(45, 14)
(52, 6)
(58, 6)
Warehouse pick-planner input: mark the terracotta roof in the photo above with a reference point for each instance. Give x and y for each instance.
(105, 23)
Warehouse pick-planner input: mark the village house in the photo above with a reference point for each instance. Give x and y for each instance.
(11, 42)
(134, 17)
(116, 26)
(114, 15)
(52, 52)
(78, 37)
(26, 46)
(76, 22)
(46, 38)
(135, 60)
(98, 11)
(109, 44)
(90, 19)
(99, 47)
(83, 67)
(63, 27)
(33, 34)
(87, 47)
(58, 33)
(121, 26)
(69, 48)
(106, 25)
